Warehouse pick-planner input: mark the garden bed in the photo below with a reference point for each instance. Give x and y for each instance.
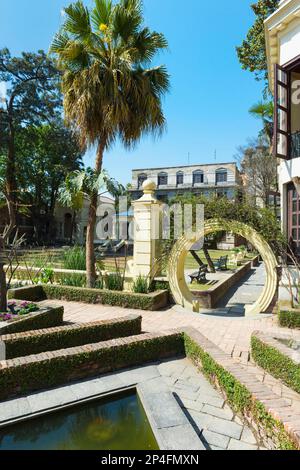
(68, 336)
(277, 356)
(48, 369)
(44, 317)
(153, 301)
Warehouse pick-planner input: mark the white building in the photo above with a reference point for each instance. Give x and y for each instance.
(282, 30)
(221, 179)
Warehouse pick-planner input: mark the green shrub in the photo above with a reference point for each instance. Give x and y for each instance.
(289, 318)
(154, 301)
(140, 285)
(114, 281)
(73, 280)
(71, 336)
(42, 373)
(75, 258)
(276, 363)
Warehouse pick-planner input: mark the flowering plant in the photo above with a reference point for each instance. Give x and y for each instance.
(17, 309)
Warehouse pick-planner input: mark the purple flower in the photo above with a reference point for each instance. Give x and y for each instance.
(12, 303)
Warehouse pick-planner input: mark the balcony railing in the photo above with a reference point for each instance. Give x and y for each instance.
(295, 145)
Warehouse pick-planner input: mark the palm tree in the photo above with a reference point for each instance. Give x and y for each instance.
(109, 89)
(265, 112)
(82, 184)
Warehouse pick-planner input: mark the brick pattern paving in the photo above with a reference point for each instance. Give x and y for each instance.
(231, 334)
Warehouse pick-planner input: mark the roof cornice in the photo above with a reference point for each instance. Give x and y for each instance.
(287, 12)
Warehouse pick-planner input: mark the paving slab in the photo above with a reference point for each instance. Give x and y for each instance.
(228, 428)
(215, 439)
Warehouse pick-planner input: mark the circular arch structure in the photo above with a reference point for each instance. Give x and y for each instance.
(178, 285)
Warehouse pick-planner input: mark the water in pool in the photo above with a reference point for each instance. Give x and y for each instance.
(119, 423)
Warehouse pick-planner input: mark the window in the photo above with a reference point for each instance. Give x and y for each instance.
(179, 177)
(198, 177)
(286, 143)
(282, 113)
(221, 176)
(141, 179)
(162, 179)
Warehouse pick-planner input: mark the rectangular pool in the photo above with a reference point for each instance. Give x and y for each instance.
(115, 423)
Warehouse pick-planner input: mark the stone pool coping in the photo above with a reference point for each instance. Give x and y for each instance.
(170, 426)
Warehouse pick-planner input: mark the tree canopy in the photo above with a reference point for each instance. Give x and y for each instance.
(252, 51)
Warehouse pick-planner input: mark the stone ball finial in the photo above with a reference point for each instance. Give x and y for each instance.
(149, 187)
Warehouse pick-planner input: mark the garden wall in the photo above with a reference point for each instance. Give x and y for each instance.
(68, 336)
(48, 369)
(153, 301)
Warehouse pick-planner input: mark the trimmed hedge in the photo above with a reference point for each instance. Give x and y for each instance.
(276, 363)
(237, 394)
(47, 318)
(22, 376)
(289, 318)
(153, 301)
(25, 344)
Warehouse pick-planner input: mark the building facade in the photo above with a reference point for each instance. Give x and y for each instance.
(282, 30)
(221, 179)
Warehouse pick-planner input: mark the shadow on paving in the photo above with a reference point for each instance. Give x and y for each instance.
(245, 292)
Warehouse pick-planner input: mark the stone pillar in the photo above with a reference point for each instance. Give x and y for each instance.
(147, 223)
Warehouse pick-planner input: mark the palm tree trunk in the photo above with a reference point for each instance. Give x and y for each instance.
(91, 275)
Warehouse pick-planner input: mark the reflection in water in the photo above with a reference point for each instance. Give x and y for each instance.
(113, 424)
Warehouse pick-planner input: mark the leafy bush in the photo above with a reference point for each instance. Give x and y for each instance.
(154, 301)
(47, 275)
(140, 285)
(289, 318)
(113, 281)
(73, 280)
(75, 258)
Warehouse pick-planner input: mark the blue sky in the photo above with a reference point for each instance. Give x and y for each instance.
(207, 108)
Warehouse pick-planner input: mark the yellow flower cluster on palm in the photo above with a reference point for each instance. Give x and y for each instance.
(103, 27)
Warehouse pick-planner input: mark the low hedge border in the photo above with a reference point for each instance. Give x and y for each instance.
(152, 301)
(45, 318)
(242, 391)
(45, 370)
(289, 318)
(35, 342)
(276, 358)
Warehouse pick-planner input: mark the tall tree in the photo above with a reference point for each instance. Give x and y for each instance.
(110, 90)
(260, 170)
(252, 52)
(32, 97)
(46, 154)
